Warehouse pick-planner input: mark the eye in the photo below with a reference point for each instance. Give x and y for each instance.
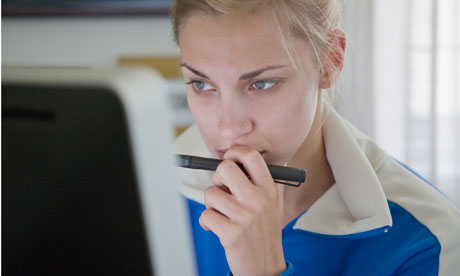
(201, 85)
(262, 85)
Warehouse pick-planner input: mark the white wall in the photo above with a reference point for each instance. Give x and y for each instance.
(83, 41)
(374, 78)
(356, 101)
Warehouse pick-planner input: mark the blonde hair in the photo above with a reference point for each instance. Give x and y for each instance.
(313, 20)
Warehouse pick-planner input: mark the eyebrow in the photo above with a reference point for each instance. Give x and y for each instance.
(255, 73)
(196, 72)
(243, 77)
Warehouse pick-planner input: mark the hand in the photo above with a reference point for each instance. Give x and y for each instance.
(246, 214)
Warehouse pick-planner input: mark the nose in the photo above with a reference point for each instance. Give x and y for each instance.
(234, 121)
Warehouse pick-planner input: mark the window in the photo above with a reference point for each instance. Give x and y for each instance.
(403, 74)
(433, 107)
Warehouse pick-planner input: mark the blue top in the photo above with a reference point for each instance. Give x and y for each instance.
(408, 248)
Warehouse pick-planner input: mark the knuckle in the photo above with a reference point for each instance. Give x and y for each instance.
(251, 155)
(225, 165)
(210, 192)
(216, 178)
(208, 198)
(204, 216)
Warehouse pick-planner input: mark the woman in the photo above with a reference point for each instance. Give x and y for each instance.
(255, 73)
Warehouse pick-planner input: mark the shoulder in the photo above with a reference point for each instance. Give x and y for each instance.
(417, 207)
(420, 200)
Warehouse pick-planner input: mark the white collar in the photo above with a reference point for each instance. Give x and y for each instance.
(355, 204)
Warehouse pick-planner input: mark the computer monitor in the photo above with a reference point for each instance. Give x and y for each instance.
(88, 181)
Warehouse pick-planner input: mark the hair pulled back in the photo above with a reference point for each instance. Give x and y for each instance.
(313, 20)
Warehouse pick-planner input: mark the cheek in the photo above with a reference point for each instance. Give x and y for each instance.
(304, 114)
(291, 124)
(203, 112)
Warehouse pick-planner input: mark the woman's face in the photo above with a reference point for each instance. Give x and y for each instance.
(242, 87)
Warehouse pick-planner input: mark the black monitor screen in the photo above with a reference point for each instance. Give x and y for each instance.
(70, 204)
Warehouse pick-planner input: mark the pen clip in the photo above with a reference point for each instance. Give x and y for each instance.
(288, 183)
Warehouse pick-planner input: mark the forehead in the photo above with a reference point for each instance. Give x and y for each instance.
(231, 39)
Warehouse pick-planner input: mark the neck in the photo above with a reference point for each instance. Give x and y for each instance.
(312, 156)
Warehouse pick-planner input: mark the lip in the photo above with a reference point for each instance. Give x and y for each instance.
(221, 153)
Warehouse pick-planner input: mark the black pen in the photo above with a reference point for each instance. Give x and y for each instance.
(282, 175)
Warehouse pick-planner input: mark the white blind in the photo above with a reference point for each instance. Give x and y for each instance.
(401, 82)
(433, 102)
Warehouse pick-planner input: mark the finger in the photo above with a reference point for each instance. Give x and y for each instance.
(216, 181)
(211, 220)
(224, 203)
(253, 163)
(231, 176)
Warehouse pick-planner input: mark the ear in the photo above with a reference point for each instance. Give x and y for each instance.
(336, 55)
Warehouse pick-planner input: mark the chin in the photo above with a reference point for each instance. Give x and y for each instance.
(274, 160)
(270, 159)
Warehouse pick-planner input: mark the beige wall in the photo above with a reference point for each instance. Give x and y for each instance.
(83, 41)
